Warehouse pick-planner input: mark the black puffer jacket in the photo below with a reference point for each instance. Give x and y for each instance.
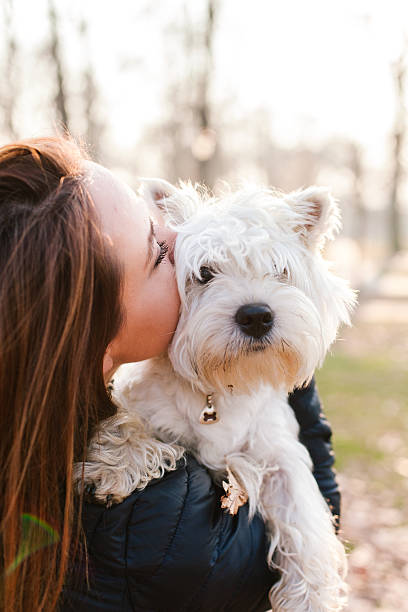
(170, 548)
(315, 433)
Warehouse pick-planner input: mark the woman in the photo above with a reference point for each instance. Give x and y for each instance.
(87, 283)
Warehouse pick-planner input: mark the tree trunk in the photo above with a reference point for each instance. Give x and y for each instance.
(360, 214)
(202, 109)
(55, 53)
(9, 93)
(398, 142)
(93, 128)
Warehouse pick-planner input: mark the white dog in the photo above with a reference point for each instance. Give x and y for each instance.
(260, 309)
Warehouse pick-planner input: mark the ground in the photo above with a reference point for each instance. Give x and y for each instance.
(364, 387)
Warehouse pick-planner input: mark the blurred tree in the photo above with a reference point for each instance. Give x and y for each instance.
(360, 212)
(400, 127)
(187, 136)
(9, 90)
(204, 145)
(93, 128)
(56, 59)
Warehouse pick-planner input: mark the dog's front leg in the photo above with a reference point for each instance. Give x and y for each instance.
(303, 543)
(122, 457)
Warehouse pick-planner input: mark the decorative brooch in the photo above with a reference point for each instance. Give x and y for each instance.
(235, 496)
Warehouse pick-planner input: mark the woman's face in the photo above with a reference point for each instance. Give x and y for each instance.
(145, 249)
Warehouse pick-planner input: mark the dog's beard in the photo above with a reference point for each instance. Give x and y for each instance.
(244, 371)
(240, 363)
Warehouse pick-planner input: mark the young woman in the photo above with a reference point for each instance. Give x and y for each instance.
(87, 283)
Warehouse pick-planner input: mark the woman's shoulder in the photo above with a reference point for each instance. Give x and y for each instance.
(172, 542)
(154, 509)
(190, 481)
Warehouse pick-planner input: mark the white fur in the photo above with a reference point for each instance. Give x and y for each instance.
(263, 247)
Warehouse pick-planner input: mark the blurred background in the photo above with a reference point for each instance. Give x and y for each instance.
(282, 92)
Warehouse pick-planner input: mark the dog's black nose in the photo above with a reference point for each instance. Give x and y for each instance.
(255, 319)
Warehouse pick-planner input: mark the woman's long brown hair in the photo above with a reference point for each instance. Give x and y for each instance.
(59, 309)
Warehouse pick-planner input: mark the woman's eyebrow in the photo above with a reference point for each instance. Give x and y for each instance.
(150, 245)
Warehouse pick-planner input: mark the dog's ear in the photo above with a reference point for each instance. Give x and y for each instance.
(176, 203)
(156, 190)
(319, 215)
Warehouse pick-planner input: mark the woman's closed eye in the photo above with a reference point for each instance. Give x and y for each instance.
(154, 243)
(164, 247)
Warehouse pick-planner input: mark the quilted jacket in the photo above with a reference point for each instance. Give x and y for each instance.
(170, 547)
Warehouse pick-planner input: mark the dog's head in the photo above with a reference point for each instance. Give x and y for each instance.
(259, 303)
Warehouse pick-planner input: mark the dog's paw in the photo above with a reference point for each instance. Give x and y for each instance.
(94, 495)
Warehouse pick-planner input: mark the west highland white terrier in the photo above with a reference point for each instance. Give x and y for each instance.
(260, 309)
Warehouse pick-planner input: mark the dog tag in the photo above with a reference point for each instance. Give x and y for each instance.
(209, 415)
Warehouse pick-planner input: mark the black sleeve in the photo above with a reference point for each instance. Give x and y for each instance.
(315, 433)
(171, 547)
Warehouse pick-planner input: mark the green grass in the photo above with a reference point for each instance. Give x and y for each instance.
(364, 398)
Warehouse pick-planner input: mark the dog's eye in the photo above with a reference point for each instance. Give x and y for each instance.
(206, 274)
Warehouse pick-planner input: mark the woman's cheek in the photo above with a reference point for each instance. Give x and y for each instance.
(173, 296)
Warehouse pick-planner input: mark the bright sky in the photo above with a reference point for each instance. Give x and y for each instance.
(322, 67)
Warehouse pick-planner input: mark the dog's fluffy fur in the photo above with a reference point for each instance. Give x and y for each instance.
(262, 247)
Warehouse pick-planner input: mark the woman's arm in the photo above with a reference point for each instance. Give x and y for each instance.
(315, 433)
(171, 547)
